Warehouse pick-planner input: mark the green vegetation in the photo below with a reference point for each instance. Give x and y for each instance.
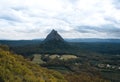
(83, 77)
(27, 47)
(14, 68)
(93, 64)
(37, 59)
(78, 61)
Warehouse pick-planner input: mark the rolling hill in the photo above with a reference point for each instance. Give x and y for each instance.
(14, 68)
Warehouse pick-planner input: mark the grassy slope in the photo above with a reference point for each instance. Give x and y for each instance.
(14, 68)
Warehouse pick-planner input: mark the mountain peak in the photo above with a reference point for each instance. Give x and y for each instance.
(53, 35)
(54, 43)
(53, 30)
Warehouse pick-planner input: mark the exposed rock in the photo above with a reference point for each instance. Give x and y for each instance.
(53, 35)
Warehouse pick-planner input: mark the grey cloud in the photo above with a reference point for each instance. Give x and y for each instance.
(27, 30)
(10, 15)
(117, 3)
(85, 29)
(73, 1)
(113, 20)
(9, 18)
(65, 16)
(19, 8)
(110, 30)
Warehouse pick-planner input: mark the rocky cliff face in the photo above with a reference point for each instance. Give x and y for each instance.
(53, 36)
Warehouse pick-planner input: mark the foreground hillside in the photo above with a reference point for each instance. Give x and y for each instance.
(14, 68)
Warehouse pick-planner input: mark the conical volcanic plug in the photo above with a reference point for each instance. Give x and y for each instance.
(53, 35)
(54, 43)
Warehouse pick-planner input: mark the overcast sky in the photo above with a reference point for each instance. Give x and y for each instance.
(32, 19)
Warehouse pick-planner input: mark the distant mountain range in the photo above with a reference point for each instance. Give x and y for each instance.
(88, 40)
(37, 41)
(69, 40)
(93, 40)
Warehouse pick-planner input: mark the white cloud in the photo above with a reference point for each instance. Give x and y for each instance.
(29, 19)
